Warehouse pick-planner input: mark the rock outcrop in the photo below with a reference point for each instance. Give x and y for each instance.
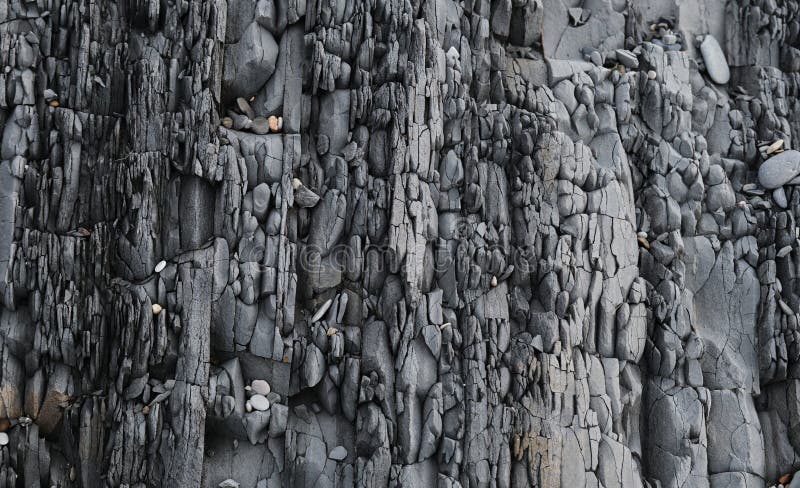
(437, 243)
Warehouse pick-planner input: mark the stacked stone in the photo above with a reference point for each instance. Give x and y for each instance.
(117, 347)
(253, 338)
(60, 137)
(481, 244)
(672, 189)
(588, 317)
(766, 70)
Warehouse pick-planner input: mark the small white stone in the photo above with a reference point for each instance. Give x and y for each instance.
(651, 75)
(157, 309)
(160, 266)
(3, 439)
(260, 387)
(259, 402)
(248, 406)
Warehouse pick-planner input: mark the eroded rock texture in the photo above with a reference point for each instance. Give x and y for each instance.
(426, 243)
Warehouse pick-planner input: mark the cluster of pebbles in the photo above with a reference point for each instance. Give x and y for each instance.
(244, 118)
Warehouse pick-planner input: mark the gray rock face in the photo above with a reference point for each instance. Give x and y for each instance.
(445, 244)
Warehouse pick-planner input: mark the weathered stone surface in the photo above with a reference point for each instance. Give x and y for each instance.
(423, 244)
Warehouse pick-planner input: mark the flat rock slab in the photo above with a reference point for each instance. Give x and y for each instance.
(604, 30)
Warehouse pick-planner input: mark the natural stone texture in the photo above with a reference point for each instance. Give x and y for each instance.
(423, 244)
(250, 62)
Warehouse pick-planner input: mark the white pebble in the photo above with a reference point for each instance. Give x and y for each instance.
(260, 387)
(259, 402)
(160, 266)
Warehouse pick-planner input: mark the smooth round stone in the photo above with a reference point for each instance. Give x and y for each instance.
(779, 169)
(261, 196)
(260, 125)
(338, 453)
(714, 58)
(260, 387)
(160, 266)
(245, 108)
(716, 175)
(241, 122)
(779, 197)
(259, 402)
(3, 439)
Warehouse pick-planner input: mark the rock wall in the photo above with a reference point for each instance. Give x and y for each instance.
(427, 243)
